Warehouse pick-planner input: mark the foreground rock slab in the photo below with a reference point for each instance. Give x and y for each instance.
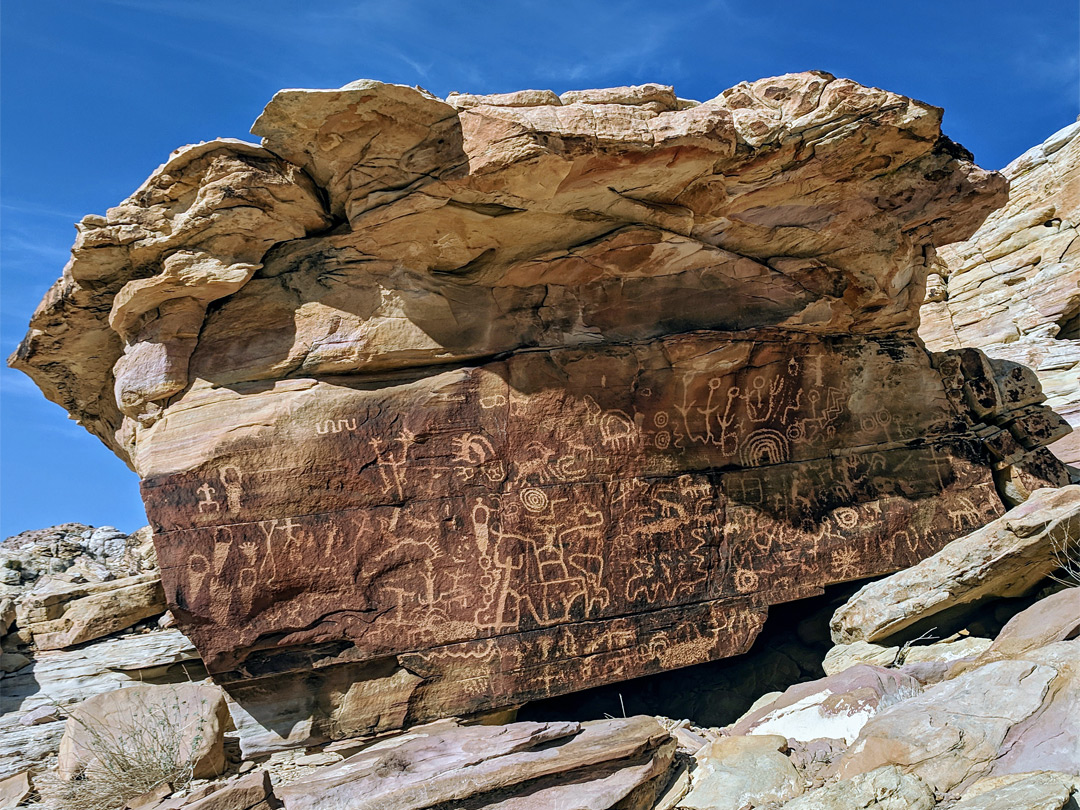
(67, 677)
(13, 789)
(1037, 791)
(444, 406)
(885, 788)
(738, 771)
(835, 707)
(1007, 557)
(1005, 717)
(521, 766)
(250, 792)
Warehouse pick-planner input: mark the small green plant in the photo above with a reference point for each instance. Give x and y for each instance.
(151, 745)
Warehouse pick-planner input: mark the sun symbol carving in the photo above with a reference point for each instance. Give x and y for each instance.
(845, 563)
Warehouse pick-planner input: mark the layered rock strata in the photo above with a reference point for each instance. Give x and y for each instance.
(1013, 288)
(444, 406)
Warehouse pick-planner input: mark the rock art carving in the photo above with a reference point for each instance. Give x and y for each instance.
(457, 404)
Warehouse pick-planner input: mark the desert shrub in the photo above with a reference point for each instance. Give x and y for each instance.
(151, 745)
(1067, 555)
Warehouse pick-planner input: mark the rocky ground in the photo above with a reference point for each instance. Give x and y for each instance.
(952, 684)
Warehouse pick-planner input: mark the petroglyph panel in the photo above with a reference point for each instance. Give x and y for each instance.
(561, 489)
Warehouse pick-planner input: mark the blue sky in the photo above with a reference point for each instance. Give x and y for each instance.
(96, 93)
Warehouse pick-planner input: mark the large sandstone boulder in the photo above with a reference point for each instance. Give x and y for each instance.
(65, 615)
(144, 726)
(1013, 288)
(739, 771)
(442, 406)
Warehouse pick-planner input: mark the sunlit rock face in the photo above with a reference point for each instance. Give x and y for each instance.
(1013, 288)
(442, 406)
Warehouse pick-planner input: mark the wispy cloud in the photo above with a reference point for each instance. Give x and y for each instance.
(38, 210)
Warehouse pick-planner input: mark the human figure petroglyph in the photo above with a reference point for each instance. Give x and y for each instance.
(207, 504)
(822, 418)
(765, 398)
(224, 577)
(538, 577)
(728, 439)
(392, 463)
(233, 482)
(284, 549)
(198, 570)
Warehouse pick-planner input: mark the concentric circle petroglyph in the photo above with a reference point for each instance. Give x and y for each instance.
(535, 500)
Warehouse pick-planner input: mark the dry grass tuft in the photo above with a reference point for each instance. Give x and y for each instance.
(129, 757)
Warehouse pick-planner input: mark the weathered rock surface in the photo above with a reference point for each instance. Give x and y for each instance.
(64, 615)
(521, 766)
(844, 656)
(13, 789)
(1010, 716)
(1055, 618)
(251, 792)
(737, 772)
(885, 788)
(1007, 557)
(73, 583)
(1045, 790)
(1013, 288)
(834, 707)
(137, 719)
(442, 407)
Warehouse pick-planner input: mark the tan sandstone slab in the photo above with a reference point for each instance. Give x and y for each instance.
(884, 788)
(1003, 717)
(1036, 791)
(737, 771)
(586, 766)
(1013, 288)
(1007, 557)
(138, 717)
